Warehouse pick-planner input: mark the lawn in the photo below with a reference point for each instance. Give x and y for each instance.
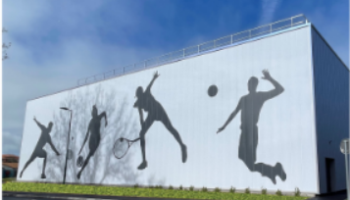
(136, 192)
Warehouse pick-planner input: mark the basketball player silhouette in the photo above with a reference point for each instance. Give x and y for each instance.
(39, 152)
(250, 106)
(156, 112)
(95, 135)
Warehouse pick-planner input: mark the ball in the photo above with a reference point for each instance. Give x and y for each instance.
(80, 161)
(212, 90)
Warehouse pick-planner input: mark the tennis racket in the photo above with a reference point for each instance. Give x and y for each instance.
(121, 147)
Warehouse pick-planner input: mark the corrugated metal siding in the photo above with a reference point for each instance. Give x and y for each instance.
(331, 80)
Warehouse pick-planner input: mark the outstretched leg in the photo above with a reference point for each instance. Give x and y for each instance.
(84, 165)
(31, 159)
(148, 122)
(176, 134)
(247, 153)
(43, 154)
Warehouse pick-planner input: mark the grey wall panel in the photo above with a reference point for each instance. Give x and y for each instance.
(277, 124)
(331, 80)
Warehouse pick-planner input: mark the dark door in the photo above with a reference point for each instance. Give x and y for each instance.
(330, 174)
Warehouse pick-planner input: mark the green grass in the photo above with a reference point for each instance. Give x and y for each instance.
(135, 192)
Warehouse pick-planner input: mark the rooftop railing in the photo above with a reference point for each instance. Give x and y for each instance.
(201, 48)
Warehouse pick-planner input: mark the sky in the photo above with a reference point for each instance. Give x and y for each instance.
(55, 43)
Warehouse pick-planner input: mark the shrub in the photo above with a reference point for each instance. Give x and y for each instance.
(279, 193)
(159, 187)
(171, 187)
(217, 190)
(247, 191)
(191, 188)
(136, 186)
(263, 191)
(297, 192)
(233, 190)
(180, 188)
(204, 189)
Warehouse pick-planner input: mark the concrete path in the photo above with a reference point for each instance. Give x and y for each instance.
(48, 196)
(43, 196)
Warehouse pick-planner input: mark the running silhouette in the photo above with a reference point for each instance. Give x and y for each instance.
(95, 135)
(156, 112)
(250, 106)
(39, 152)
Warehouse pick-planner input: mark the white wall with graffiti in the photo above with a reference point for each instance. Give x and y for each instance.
(269, 143)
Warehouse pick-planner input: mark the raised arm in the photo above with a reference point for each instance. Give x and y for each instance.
(278, 87)
(52, 146)
(155, 76)
(233, 114)
(86, 137)
(42, 127)
(103, 114)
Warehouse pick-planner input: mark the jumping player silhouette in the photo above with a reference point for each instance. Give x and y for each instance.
(95, 135)
(156, 112)
(39, 152)
(250, 106)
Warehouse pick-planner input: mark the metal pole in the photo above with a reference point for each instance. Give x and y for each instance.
(347, 169)
(65, 165)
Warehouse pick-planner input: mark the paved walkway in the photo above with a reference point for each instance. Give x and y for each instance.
(43, 196)
(49, 196)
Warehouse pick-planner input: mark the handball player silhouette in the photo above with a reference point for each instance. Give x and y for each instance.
(95, 135)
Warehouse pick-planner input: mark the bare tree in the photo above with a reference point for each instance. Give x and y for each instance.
(103, 167)
(5, 46)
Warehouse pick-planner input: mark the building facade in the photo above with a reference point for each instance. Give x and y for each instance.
(265, 112)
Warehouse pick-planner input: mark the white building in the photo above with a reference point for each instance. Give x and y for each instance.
(284, 134)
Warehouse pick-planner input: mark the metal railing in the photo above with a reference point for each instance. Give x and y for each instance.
(201, 48)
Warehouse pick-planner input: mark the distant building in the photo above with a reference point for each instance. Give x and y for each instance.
(9, 165)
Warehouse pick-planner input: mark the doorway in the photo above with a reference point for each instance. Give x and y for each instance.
(330, 174)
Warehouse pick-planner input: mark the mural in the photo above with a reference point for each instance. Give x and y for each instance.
(111, 118)
(250, 106)
(146, 101)
(39, 152)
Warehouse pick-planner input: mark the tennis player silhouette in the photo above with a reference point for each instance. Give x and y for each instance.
(95, 135)
(250, 106)
(39, 152)
(156, 112)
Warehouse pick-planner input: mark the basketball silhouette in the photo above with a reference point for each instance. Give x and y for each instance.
(212, 90)
(80, 161)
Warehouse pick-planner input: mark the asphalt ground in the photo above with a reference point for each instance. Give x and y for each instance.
(42, 196)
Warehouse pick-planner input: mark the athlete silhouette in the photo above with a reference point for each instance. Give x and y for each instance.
(250, 106)
(39, 152)
(156, 112)
(95, 135)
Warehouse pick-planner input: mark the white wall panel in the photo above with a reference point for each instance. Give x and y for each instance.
(286, 128)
